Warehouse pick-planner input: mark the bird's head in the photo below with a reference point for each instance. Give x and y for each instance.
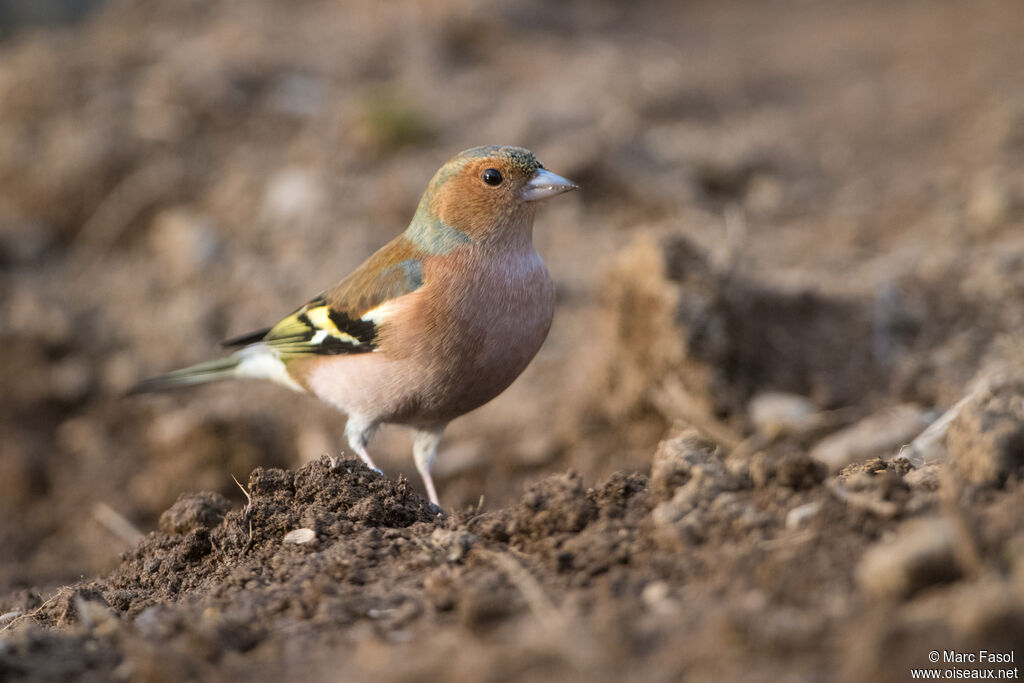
(483, 195)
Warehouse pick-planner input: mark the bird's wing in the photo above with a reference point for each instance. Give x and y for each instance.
(345, 319)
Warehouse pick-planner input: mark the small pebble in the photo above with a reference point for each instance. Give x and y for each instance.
(9, 616)
(802, 514)
(775, 413)
(300, 536)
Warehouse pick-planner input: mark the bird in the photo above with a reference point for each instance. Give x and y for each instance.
(436, 323)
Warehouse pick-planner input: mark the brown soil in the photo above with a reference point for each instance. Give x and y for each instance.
(799, 243)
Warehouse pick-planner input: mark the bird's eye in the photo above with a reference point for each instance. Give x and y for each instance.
(492, 176)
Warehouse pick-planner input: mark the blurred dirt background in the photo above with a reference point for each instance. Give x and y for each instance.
(799, 243)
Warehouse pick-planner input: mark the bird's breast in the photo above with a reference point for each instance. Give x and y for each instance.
(447, 348)
(482, 322)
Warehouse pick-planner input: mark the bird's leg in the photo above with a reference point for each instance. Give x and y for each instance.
(359, 431)
(424, 451)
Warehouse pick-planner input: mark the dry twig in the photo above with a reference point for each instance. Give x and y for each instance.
(21, 617)
(116, 524)
(247, 510)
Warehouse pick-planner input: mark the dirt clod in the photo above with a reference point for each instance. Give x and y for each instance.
(557, 504)
(683, 458)
(194, 511)
(986, 439)
(919, 554)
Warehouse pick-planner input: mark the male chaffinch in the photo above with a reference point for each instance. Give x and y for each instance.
(438, 322)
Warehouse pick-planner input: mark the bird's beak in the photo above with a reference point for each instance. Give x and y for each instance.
(546, 184)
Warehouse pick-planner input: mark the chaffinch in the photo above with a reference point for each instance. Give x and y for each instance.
(438, 322)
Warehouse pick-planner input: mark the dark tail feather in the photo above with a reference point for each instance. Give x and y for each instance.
(211, 371)
(246, 339)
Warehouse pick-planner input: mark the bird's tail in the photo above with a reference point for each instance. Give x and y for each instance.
(211, 371)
